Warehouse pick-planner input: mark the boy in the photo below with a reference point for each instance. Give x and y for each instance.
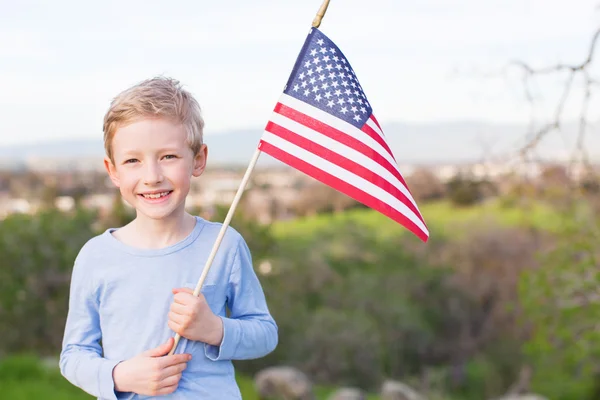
(131, 288)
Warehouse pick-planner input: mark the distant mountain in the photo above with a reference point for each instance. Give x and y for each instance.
(444, 142)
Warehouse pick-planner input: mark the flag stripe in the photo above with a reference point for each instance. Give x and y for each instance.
(370, 139)
(376, 128)
(357, 182)
(377, 136)
(342, 155)
(376, 122)
(303, 164)
(367, 147)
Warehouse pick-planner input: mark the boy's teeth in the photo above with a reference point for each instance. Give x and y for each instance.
(155, 195)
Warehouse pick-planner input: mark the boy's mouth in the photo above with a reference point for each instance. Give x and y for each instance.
(157, 195)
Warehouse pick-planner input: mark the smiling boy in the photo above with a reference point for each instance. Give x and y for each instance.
(131, 287)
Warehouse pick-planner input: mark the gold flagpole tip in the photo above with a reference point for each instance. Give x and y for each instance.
(317, 21)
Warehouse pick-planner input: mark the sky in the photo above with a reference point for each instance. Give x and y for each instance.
(62, 61)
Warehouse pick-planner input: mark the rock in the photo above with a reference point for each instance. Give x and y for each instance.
(283, 382)
(348, 393)
(394, 390)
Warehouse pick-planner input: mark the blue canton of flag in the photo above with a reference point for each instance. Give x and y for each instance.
(324, 78)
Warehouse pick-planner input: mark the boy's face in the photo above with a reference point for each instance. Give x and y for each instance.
(153, 166)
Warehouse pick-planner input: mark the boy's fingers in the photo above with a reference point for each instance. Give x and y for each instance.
(172, 380)
(183, 290)
(161, 350)
(174, 370)
(183, 298)
(177, 318)
(179, 309)
(175, 359)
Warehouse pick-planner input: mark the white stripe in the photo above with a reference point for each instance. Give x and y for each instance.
(344, 175)
(374, 126)
(338, 124)
(342, 150)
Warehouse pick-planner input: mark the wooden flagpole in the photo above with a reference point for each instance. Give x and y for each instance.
(316, 23)
(320, 14)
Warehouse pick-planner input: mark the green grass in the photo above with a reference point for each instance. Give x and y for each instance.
(442, 219)
(26, 378)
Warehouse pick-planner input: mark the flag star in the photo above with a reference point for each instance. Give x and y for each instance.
(296, 87)
(338, 66)
(344, 110)
(323, 50)
(315, 89)
(346, 68)
(307, 64)
(336, 58)
(301, 76)
(353, 109)
(334, 84)
(304, 84)
(316, 60)
(351, 101)
(324, 86)
(343, 60)
(312, 80)
(341, 102)
(331, 103)
(320, 42)
(345, 84)
(338, 92)
(309, 72)
(328, 67)
(319, 69)
(353, 84)
(356, 117)
(332, 50)
(313, 52)
(331, 75)
(327, 95)
(326, 58)
(356, 93)
(359, 100)
(318, 97)
(342, 75)
(306, 92)
(322, 77)
(347, 91)
(363, 110)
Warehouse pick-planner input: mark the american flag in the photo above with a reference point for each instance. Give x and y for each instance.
(323, 125)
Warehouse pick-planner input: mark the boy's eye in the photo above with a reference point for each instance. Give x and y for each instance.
(130, 161)
(170, 156)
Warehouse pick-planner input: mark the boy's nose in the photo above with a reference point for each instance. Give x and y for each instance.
(153, 174)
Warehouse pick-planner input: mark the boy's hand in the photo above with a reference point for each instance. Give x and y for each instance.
(192, 318)
(150, 373)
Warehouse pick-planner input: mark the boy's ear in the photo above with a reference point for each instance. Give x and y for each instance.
(200, 161)
(112, 171)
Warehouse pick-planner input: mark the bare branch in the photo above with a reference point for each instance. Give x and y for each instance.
(573, 71)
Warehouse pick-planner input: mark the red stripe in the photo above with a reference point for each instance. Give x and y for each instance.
(342, 162)
(341, 137)
(371, 132)
(376, 123)
(343, 187)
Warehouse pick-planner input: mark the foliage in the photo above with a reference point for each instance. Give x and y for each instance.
(358, 300)
(563, 307)
(36, 258)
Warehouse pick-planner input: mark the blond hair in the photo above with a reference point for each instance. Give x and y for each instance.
(158, 97)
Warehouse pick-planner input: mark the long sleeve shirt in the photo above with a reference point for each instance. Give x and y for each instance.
(120, 298)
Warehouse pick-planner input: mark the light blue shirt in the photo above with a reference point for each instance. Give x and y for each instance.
(121, 295)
